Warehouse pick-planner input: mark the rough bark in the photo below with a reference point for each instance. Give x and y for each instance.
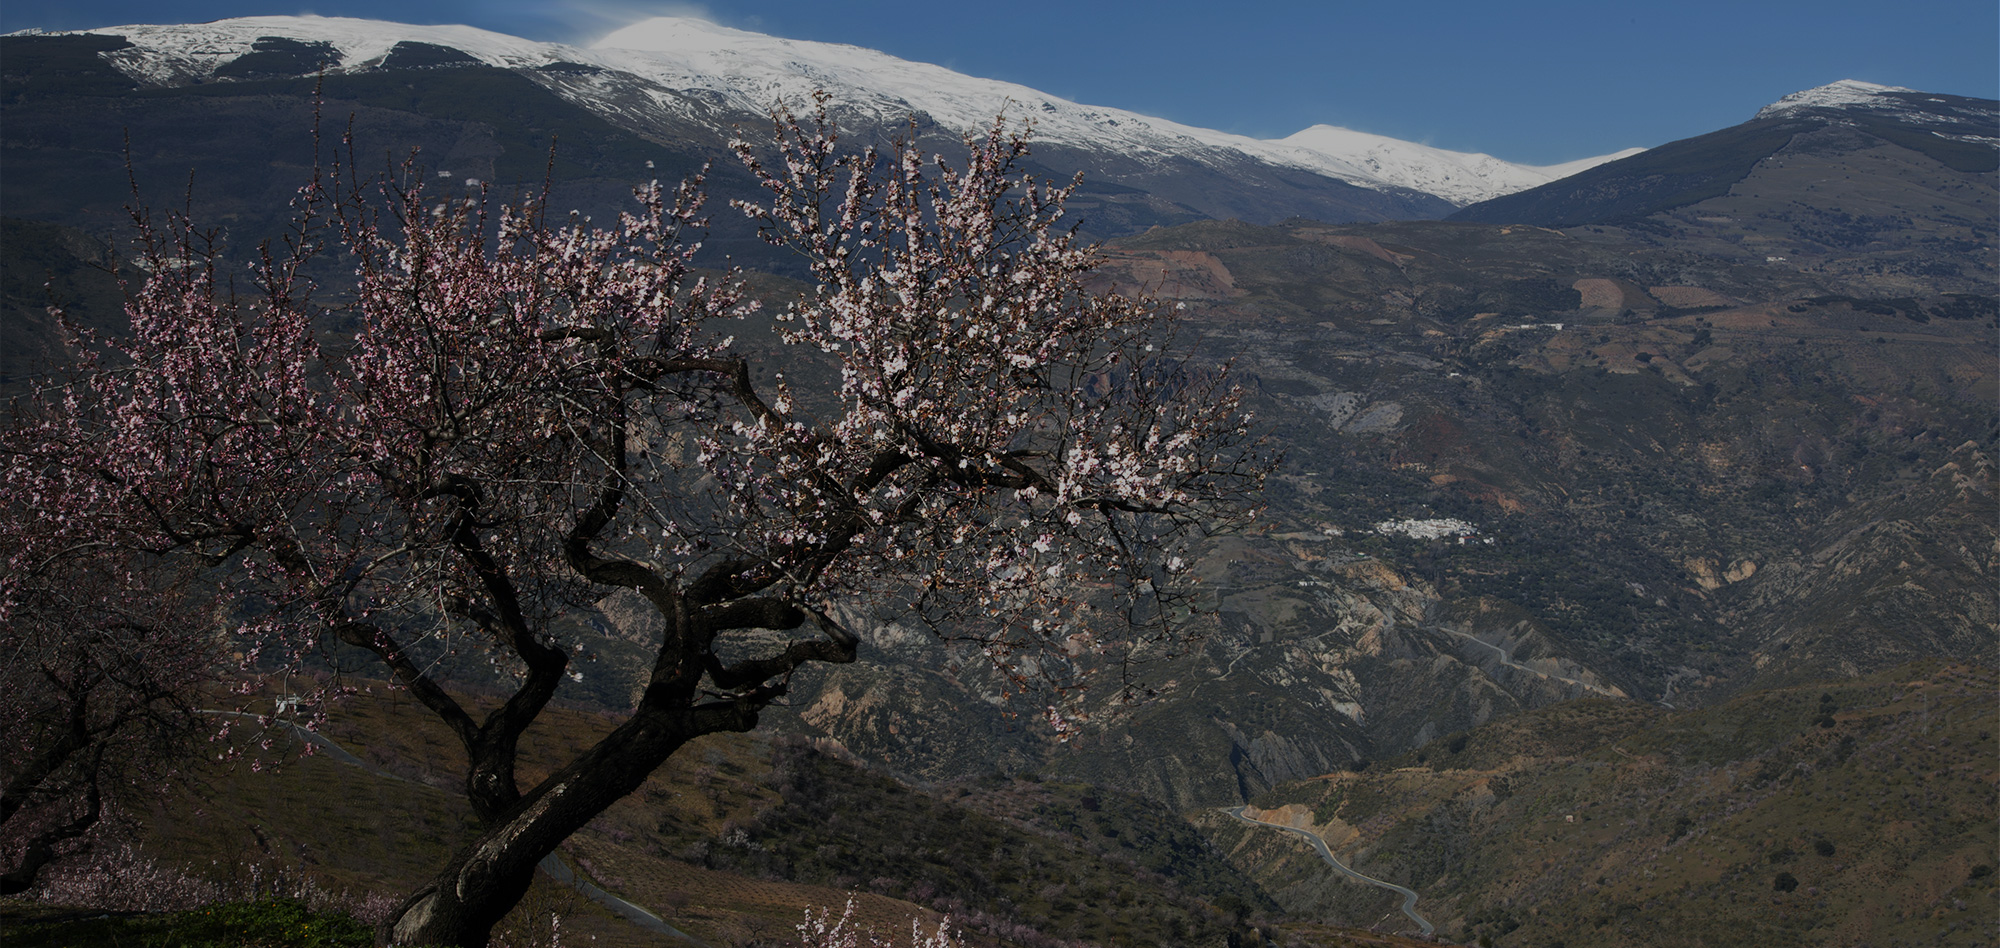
(487, 877)
(41, 850)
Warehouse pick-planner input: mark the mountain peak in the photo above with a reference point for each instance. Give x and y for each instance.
(1847, 93)
(665, 65)
(1463, 177)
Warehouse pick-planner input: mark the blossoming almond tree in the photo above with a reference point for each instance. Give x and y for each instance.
(528, 416)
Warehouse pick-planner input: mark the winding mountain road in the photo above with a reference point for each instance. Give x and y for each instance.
(1409, 897)
(1507, 659)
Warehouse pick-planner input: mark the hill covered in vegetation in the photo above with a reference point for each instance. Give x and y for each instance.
(1851, 813)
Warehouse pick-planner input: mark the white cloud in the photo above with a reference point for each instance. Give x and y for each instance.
(591, 20)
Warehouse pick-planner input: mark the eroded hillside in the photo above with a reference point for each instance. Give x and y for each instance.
(1857, 813)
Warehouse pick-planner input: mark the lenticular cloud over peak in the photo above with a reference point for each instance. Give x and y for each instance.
(673, 34)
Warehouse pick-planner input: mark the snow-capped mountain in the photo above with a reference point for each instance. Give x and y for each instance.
(1846, 92)
(1953, 118)
(1912, 141)
(671, 70)
(1461, 177)
(760, 69)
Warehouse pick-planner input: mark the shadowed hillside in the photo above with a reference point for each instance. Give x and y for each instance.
(1851, 813)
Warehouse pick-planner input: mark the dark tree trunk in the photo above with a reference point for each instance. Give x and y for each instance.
(489, 876)
(41, 850)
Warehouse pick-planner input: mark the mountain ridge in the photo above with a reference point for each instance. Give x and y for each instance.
(1959, 132)
(690, 66)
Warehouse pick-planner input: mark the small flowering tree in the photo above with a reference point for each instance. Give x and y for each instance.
(822, 929)
(519, 418)
(98, 665)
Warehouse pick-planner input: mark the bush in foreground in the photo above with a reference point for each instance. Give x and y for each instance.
(266, 923)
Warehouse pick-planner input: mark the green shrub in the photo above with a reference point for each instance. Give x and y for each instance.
(269, 923)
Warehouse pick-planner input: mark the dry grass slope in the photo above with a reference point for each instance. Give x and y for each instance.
(1856, 813)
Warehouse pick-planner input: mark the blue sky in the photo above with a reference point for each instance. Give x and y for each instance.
(1535, 81)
